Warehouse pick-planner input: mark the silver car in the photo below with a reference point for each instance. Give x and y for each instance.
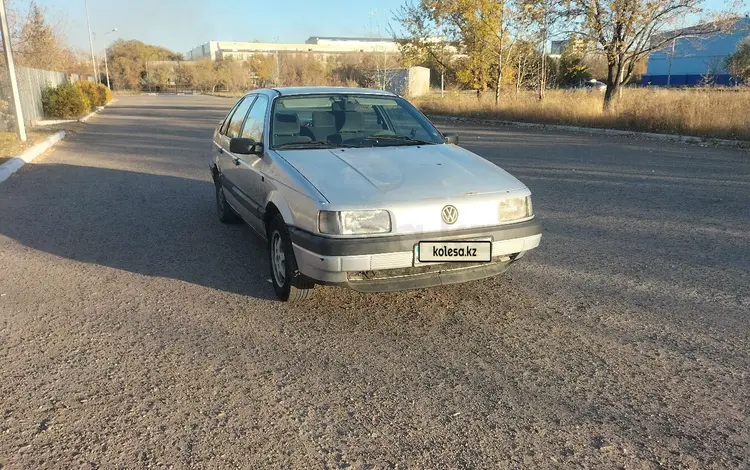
(355, 187)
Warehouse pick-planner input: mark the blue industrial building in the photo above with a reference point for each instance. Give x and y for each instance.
(696, 60)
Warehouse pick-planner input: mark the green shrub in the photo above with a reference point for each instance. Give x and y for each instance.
(91, 90)
(105, 94)
(65, 102)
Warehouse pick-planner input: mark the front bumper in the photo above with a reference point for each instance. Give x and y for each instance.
(377, 264)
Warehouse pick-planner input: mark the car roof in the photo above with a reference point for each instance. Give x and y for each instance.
(314, 90)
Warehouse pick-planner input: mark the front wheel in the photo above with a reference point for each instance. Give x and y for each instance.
(290, 285)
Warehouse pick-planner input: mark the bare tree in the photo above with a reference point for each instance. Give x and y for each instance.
(424, 41)
(738, 64)
(628, 30)
(483, 29)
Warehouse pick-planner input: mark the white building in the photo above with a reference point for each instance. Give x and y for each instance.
(319, 46)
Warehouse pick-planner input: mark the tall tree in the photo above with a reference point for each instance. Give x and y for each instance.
(482, 28)
(542, 16)
(128, 61)
(424, 41)
(573, 68)
(628, 30)
(184, 76)
(38, 44)
(738, 64)
(264, 68)
(523, 64)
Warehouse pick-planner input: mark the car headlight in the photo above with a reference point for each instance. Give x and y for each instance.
(515, 208)
(354, 222)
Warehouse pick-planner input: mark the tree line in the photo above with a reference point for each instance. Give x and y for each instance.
(505, 40)
(38, 44)
(138, 66)
(498, 45)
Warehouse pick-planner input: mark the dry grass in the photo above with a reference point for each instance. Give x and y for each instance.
(706, 113)
(11, 147)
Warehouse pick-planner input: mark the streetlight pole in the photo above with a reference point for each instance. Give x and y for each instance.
(20, 125)
(106, 67)
(91, 41)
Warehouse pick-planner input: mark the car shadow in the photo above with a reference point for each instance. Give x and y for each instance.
(150, 224)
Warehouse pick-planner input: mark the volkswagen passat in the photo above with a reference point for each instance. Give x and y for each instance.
(357, 188)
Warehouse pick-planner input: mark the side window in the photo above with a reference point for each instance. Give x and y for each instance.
(235, 123)
(256, 120)
(225, 124)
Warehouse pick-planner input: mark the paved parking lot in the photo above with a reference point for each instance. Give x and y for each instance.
(137, 331)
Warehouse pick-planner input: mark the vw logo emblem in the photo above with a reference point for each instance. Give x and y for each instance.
(450, 214)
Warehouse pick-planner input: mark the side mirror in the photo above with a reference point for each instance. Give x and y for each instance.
(245, 146)
(451, 138)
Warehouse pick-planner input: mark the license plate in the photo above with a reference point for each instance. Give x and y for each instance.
(453, 251)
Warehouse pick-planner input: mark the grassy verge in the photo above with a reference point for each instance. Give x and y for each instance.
(702, 113)
(11, 147)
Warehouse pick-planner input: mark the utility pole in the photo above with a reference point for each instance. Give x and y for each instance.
(669, 73)
(442, 82)
(20, 125)
(91, 41)
(106, 67)
(543, 64)
(277, 79)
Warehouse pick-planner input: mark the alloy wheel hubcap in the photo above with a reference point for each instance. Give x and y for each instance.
(278, 260)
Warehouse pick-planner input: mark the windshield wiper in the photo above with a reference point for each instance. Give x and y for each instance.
(312, 144)
(400, 138)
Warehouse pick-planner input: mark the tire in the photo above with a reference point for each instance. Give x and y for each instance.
(226, 214)
(293, 286)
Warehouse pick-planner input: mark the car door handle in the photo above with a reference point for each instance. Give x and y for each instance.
(236, 160)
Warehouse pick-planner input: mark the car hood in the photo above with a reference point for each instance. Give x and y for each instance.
(404, 173)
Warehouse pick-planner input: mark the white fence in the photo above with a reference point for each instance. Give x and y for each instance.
(31, 83)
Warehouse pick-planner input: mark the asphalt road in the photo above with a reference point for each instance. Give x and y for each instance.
(137, 331)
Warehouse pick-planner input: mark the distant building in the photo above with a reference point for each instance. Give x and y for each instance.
(698, 60)
(321, 47)
(351, 42)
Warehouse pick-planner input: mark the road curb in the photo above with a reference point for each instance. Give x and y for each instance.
(88, 116)
(51, 122)
(688, 139)
(12, 165)
(98, 108)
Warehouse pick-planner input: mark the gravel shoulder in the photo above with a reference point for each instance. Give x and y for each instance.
(136, 331)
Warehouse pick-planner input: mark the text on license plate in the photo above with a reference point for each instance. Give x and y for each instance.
(459, 251)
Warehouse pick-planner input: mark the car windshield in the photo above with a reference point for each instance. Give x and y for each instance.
(337, 120)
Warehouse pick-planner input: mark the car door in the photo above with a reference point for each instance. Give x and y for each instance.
(229, 163)
(250, 172)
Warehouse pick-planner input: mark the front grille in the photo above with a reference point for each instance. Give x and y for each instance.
(426, 269)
